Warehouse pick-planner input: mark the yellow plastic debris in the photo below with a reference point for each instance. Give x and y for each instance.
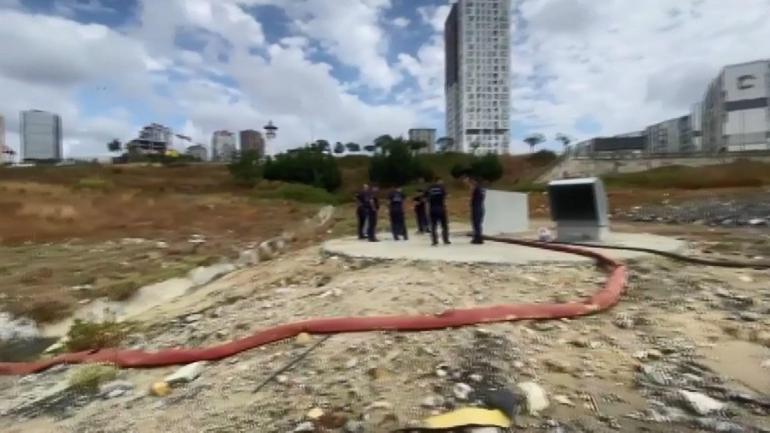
(468, 416)
(160, 389)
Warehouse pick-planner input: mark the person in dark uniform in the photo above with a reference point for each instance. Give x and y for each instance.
(371, 215)
(421, 212)
(478, 194)
(396, 200)
(362, 202)
(437, 201)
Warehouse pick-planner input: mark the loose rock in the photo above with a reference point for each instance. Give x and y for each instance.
(461, 391)
(536, 397)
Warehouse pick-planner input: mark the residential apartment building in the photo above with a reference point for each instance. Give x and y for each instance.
(736, 115)
(252, 141)
(477, 82)
(425, 135)
(41, 136)
(198, 151)
(154, 139)
(223, 146)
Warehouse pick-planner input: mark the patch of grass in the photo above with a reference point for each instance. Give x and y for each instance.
(530, 187)
(95, 184)
(298, 192)
(734, 175)
(36, 276)
(84, 335)
(120, 290)
(88, 378)
(41, 310)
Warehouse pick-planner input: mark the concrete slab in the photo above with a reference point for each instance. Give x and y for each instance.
(462, 251)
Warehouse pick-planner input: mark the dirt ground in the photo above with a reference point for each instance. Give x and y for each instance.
(679, 329)
(61, 244)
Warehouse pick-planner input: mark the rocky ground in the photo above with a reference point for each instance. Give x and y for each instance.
(687, 350)
(732, 211)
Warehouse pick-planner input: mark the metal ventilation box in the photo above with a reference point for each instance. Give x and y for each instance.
(579, 208)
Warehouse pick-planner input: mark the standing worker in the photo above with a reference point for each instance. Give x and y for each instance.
(420, 212)
(437, 202)
(362, 203)
(371, 216)
(397, 224)
(478, 194)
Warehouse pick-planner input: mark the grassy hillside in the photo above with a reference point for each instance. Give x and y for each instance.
(738, 174)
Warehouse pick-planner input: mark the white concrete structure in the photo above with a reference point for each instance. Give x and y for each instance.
(736, 115)
(223, 147)
(477, 43)
(41, 136)
(579, 208)
(505, 213)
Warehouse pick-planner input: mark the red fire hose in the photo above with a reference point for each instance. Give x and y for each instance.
(605, 298)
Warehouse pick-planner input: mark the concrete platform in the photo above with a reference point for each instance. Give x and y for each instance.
(462, 251)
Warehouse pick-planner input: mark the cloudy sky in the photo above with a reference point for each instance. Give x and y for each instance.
(349, 70)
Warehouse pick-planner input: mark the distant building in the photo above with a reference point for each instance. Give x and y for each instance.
(477, 37)
(198, 151)
(670, 136)
(154, 139)
(735, 109)
(252, 141)
(696, 126)
(41, 136)
(623, 144)
(6, 153)
(223, 147)
(425, 135)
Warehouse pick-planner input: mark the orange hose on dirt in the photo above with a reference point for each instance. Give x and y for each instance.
(605, 298)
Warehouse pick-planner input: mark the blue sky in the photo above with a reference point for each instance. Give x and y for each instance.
(350, 70)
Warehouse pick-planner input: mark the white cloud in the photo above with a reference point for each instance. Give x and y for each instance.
(626, 69)
(435, 16)
(38, 71)
(401, 22)
(350, 31)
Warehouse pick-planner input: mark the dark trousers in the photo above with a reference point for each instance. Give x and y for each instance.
(371, 225)
(438, 216)
(422, 221)
(361, 215)
(477, 219)
(398, 225)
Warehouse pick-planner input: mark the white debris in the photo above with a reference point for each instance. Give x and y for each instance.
(701, 403)
(536, 398)
(188, 373)
(461, 391)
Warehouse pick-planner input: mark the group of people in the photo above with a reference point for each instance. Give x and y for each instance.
(429, 208)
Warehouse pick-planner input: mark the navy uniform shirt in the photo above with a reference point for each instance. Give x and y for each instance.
(477, 198)
(436, 196)
(362, 199)
(396, 200)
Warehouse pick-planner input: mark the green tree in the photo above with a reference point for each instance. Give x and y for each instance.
(487, 167)
(339, 148)
(246, 169)
(459, 170)
(397, 166)
(564, 139)
(370, 148)
(533, 140)
(309, 166)
(115, 145)
(353, 147)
